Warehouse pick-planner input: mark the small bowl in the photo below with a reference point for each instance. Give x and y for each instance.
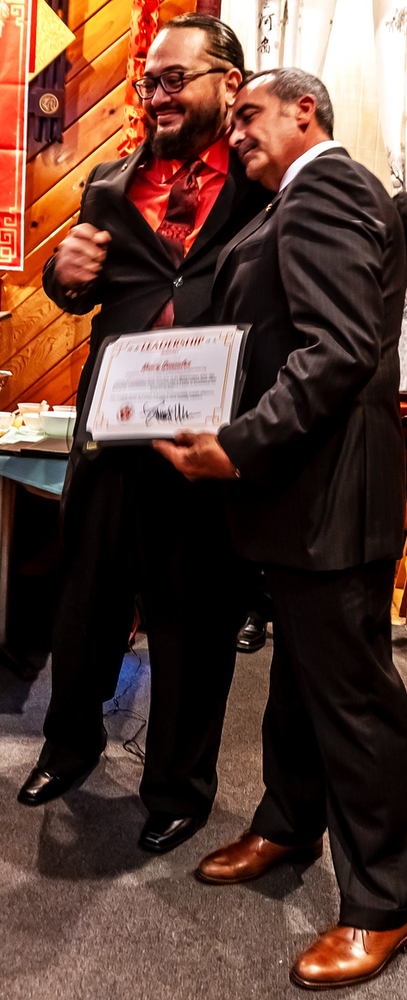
(57, 424)
(32, 422)
(64, 409)
(6, 420)
(32, 407)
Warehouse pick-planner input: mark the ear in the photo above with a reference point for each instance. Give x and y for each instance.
(232, 80)
(305, 111)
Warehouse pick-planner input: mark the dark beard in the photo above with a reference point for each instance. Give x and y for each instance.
(200, 129)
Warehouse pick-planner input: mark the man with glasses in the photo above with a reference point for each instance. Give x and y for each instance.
(149, 234)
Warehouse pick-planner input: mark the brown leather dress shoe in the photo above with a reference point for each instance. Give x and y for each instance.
(345, 955)
(249, 857)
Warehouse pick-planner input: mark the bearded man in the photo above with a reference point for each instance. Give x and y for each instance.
(149, 234)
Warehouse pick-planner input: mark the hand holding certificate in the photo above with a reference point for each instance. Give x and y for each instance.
(156, 384)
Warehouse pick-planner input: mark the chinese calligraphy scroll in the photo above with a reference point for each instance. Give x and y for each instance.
(269, 25)
(282, 32)
(14, 54)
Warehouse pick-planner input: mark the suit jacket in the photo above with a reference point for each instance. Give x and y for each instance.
(138, 276)
(321, 275)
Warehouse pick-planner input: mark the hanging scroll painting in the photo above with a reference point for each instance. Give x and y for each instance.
(306, 30)
(390, 24)
(242, 17)
(14, 57)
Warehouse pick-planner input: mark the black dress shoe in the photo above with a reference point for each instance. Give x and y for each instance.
(41, 787)
(162, 831)
(252, 636)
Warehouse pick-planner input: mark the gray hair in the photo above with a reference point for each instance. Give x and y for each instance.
(290, 83)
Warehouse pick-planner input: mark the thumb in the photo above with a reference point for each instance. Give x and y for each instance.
(102, 238)
(186, 438)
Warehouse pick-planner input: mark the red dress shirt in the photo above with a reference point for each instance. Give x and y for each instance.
(150, 190)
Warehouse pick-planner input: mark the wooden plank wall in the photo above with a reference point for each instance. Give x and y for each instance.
(43, 347)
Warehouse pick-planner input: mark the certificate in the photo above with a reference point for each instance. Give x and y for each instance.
(155, 384)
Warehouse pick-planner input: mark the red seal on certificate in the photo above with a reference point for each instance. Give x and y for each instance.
(125, 412)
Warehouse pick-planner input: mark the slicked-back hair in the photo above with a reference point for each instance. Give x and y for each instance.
(290, 83)
(222, 43)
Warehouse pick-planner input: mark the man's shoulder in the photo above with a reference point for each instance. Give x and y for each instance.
(338, 163)
(334, 174)
(111, 168)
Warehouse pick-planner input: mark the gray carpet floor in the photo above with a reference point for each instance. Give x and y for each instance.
(86, 915)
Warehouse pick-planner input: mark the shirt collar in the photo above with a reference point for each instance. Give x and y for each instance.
(300, 162)
(216, 157)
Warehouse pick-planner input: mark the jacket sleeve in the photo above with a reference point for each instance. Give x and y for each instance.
(331, 242)
(70, 300)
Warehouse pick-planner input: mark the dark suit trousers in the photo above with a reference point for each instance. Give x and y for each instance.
(134, 524)
(335, 735)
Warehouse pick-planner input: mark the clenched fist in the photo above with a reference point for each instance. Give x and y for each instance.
(81, 255)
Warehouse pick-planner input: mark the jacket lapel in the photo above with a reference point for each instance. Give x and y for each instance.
(113, 192)
(248, 230)
(234, 190)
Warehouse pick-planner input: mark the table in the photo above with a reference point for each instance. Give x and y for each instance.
(40, 467)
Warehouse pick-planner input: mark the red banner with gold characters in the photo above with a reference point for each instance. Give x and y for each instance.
(15, 18)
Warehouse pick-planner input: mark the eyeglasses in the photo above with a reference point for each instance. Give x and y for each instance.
(172, 82)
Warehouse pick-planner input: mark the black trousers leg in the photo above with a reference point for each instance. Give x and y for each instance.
(293, 808)
(132, 523)
(335, 633)
(95, 606)
(194, 597)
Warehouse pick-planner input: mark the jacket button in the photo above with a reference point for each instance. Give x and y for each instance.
(178, 282)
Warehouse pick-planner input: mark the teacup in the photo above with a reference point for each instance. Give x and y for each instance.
(33, 407)
(6, 420)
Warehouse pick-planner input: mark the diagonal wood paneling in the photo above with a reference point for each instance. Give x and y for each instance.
(88, 134)
(44, 347)
(107, 24)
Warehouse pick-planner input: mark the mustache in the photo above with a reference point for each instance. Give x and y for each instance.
(154, 112)
(198, 124)
(245, 147)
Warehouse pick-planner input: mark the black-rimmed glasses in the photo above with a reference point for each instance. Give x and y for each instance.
(171, 81)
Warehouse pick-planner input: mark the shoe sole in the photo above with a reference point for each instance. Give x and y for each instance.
(302, 857)
(155, 849)
(251, 649)
(306, 984)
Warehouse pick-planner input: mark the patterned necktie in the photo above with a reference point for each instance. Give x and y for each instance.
(179, 219)
(177, 224)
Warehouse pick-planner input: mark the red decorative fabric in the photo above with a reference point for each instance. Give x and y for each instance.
(33, 34)
(209, 7)
(147, 17)
(143, 29)
(14, 42)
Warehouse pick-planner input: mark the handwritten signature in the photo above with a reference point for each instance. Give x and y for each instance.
(174, 414)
